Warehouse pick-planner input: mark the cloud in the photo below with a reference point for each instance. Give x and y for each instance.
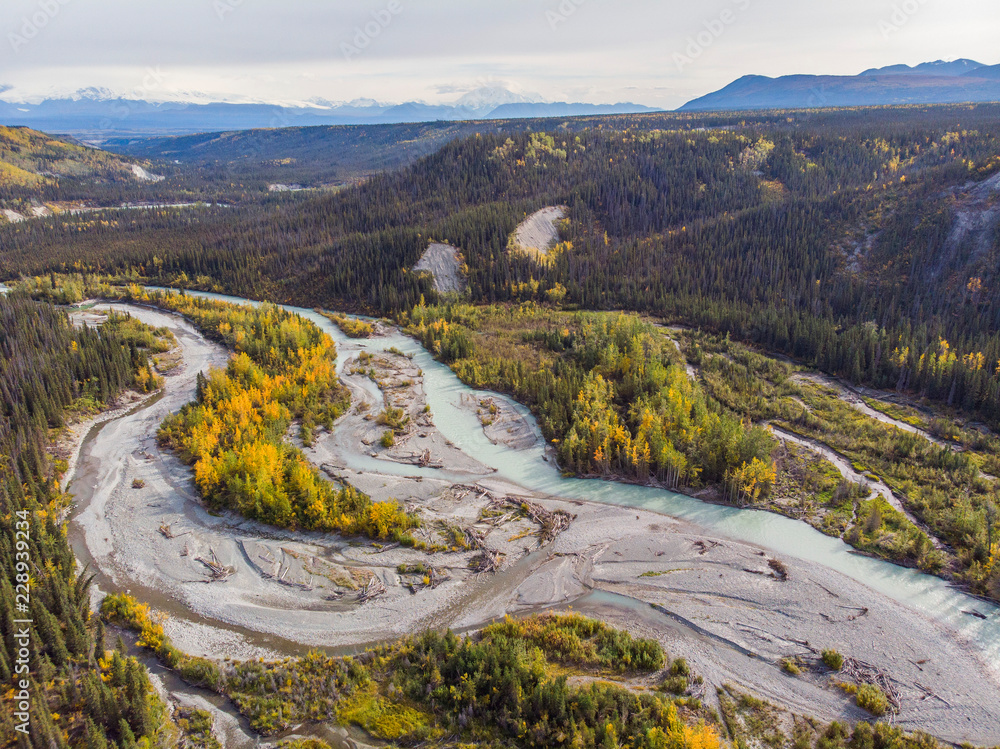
(604, 50)
(465, 87)
(452, 88)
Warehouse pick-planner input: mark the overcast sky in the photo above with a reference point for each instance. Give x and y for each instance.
(656, 52)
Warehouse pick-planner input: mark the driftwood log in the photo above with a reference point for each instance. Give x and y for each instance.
(167, 532)
(866, 673)
(217, 569)
(373, 589)
(551, 523)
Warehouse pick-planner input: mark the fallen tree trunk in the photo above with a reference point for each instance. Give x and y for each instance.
(219, 571)
(373, 589)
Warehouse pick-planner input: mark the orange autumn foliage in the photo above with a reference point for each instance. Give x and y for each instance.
(234, 433)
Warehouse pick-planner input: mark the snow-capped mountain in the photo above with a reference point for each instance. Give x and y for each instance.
(485, 99)
(96, 114)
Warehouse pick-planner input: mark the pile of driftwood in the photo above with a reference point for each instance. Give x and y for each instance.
(423, 460)
(374, 588)
(218, 570)
(865, 673)
(488, 560)
(550, 523)
(503, 509)
(475, 539)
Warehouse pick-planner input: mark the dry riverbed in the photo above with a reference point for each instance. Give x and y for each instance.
(720, 603)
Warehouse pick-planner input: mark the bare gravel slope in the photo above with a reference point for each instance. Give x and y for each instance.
(538, 232)
(444, 263)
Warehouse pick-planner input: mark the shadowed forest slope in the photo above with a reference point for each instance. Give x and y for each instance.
(861, 241)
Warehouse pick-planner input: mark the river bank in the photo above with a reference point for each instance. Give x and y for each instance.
(727, 612)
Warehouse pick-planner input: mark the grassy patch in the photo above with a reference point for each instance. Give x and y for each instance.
(791, 666)
(384, 718)
(197, 728)
(896, 411)
(751, 721)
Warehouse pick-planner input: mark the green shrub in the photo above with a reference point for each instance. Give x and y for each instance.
(388, 440)
(833, 659)
(675, 685)
(394, 418)
(197, 726)
(791, 666)
(872, 699)
(201, 673)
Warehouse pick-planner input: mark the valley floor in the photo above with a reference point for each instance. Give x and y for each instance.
(720, 603)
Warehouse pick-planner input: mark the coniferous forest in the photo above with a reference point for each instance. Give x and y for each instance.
(832, 237)
(80, 694)
(745, 248)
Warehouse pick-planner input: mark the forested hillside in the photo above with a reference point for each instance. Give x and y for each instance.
(859, 241)
(41, 174)
(304, 156)
(79, 695)
(336, 155)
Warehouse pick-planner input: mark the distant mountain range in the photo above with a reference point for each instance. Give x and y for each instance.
(929, 83)
(95, 115)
